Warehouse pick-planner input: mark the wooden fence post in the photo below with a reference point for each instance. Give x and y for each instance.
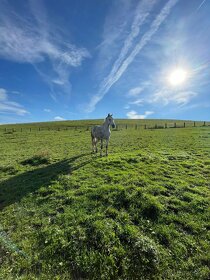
(204, 123)
(174, 125)
(184, 124)
(165, 125)
(136, 126)
(126, 126)
(145, 126)
(194, 124)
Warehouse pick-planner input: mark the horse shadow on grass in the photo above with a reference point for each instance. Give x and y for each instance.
(15, 188)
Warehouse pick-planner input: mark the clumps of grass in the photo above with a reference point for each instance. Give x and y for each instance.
(143, 257)
(207, 162)
(138, 204)
(163, 235)
(132, 160)
(38, 159)
(151, 209)
(98, 248)
(112, 212)
(10, 170)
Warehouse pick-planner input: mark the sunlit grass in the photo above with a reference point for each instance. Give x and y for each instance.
(140, 213)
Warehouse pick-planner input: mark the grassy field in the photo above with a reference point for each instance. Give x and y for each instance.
(143, 212)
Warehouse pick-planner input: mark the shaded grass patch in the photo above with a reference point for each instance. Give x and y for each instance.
(36, 160)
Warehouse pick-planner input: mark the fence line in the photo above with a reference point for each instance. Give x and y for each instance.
(118, 127)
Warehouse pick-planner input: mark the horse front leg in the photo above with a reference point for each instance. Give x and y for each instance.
(96, 149)
(107, 143)
(93, 145)
(101, 147)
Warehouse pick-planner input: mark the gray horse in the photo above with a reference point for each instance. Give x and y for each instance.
(102, 132)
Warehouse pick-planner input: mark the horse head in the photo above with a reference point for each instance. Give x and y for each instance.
(110, 120)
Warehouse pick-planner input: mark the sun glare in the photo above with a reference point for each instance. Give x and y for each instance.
(177, 77)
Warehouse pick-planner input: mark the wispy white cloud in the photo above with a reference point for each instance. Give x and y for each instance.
(32, 41)
(127, 107)
(142, 11)
(3, 94)
(143, 41)
(135, 91)
(58, 118)
(166, 96)
(15, 92)
(201, 4)
(10, 107)
(134, 115)
(114, 30)
(47, 110)
(200, 105)
(137, 102)
(124, 60)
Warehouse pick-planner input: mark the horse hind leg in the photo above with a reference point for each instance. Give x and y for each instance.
(93, 144)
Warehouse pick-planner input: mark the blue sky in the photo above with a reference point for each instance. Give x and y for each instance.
(83, 59)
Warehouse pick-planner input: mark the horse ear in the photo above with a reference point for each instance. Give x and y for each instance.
(108, 115)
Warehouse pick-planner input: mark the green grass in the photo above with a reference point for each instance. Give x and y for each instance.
(143, 212)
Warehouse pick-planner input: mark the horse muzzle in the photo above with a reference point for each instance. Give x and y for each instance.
(113, 125)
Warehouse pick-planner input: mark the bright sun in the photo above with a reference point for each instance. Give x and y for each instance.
(177, 77)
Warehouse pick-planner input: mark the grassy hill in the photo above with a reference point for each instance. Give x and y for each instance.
(87, 123)
(140, 213)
